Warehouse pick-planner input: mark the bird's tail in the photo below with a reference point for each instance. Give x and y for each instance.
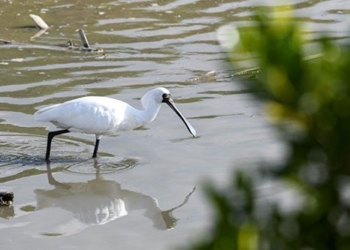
(44, 113)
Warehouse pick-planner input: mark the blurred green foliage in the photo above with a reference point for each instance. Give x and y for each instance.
(308, 101)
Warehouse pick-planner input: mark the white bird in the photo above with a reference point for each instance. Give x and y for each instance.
(105, 116)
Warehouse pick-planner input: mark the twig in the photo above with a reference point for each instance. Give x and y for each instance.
(84, 39)
(39, 21)
(5, 41)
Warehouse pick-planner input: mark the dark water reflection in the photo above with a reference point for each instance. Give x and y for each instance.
(170, 43)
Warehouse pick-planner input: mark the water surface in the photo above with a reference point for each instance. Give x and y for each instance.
(144, 190)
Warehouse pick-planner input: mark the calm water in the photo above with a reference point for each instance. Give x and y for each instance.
(144, 191)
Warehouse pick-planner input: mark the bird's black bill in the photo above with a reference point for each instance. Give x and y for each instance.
(188, 125)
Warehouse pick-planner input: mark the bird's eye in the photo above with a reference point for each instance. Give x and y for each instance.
(166, 97)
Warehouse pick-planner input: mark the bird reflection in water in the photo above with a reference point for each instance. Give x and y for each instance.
(100, 201)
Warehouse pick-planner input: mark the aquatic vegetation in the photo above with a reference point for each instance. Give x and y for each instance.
(308, 101)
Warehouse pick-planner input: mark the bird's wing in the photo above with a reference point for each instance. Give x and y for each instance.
(93, 115)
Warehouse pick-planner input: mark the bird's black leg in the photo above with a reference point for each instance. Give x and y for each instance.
(94, 155)
(50, 136)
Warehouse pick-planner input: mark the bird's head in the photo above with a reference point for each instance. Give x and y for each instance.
(157, 95)
(162, 95)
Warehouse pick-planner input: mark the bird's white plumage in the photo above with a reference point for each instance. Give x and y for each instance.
(92, 115)
(102, 115)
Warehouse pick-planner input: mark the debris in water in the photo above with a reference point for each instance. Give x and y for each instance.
(83, 38)
(17, 60)
(208, 77)
(6, 198)
(39, 22)
(103, 55)
(70, 44)
(86, 46)
(5, 41)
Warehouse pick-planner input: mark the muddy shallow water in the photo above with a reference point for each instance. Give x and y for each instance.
(144, 189)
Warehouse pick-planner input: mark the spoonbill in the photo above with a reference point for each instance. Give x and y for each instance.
(105, 116)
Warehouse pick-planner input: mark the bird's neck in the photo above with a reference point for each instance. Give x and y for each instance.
(149, 113)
